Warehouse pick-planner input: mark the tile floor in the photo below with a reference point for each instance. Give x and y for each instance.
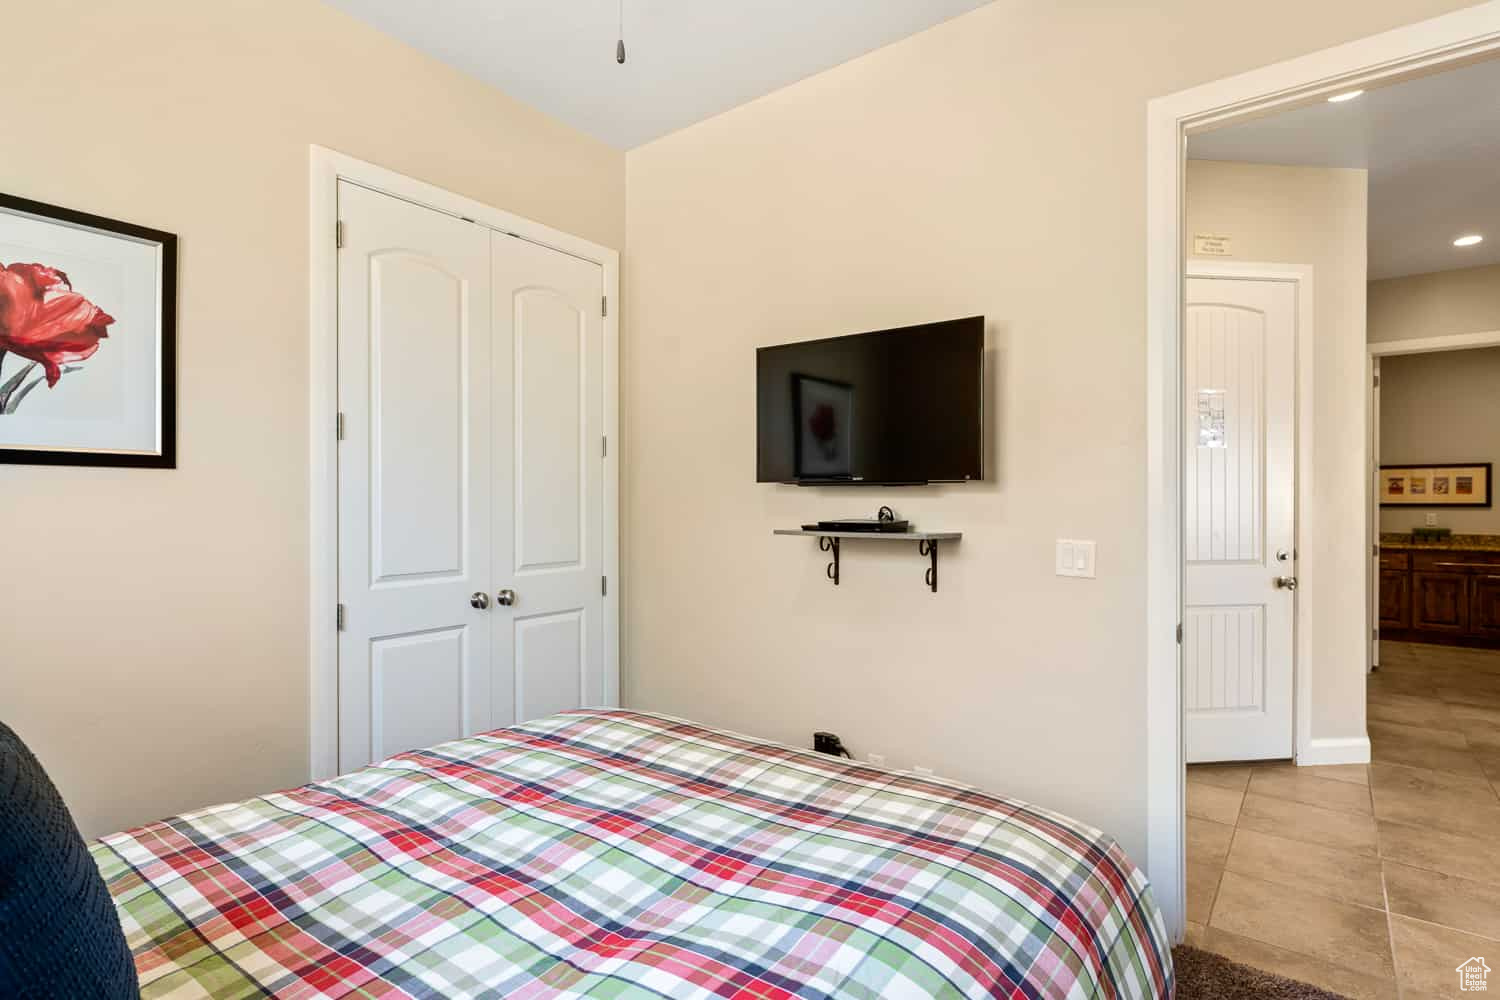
(1372, 881)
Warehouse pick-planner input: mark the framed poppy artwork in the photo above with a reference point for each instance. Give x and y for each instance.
(1465, 485)
(87, 339)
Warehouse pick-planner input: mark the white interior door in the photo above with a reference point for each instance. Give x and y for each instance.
(548, 480)
(1239, 518)
(414, 476)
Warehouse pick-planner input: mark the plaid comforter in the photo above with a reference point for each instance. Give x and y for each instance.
(617, 854)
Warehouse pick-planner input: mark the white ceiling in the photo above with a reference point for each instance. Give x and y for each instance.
(687, 59)
(1432, 147)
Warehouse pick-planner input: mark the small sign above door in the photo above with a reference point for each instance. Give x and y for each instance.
(1208, 245)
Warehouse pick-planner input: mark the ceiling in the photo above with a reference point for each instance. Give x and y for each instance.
(687, 59)
(1432, 146)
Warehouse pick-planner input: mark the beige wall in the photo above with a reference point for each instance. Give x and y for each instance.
(1435, 305)
(152, 636)
(153, 624)
(994, 164)
(1441, 408)
(1315, 216)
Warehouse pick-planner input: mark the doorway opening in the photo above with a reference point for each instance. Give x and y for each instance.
(1435, 432)
(1369, 179)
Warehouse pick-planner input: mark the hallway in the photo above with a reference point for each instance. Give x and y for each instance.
(1371, 881)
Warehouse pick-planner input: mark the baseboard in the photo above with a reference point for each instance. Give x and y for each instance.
(1352, 750)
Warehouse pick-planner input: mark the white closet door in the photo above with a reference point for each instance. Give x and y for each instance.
(548, 511)
(1240, 380)
(414, 477)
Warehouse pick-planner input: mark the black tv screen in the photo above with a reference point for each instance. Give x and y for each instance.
(892, 407)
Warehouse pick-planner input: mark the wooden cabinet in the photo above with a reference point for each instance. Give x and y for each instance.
(1441, 596)
(1395, 590)
(1484, 604)
(1395, 598)
(1440, 602)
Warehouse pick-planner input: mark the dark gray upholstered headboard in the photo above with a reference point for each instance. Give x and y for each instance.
(60, 937)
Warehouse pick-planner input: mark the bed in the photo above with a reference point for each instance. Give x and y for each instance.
(621, 854)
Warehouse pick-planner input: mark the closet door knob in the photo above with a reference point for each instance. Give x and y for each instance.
(479, 599)
(505, 598)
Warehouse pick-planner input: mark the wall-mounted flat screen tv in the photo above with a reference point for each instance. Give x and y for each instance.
(894, 407)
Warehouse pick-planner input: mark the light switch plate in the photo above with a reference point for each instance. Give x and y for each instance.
(1432, 520)
(1076, 558)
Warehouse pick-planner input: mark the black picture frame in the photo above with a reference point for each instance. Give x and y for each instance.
(1489, 485)
(166, 361)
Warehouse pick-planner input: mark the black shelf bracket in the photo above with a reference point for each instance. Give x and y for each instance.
(929, 548)
(831, 545)
(831, 542)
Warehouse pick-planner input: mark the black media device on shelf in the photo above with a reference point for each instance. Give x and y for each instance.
(884, 522)
(892, 408)
(863, 524)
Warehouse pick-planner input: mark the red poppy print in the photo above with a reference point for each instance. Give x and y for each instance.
(44, 321)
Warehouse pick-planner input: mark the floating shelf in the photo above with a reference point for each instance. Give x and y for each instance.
(927, 545)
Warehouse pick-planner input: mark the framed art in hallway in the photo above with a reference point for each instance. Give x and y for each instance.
(1462, 485)
(87, 339)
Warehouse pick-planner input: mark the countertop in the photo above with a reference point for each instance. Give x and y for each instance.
(1453, 543)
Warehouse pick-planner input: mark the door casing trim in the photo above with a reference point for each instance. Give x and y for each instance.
(1443, 42)
(1301, 277)
(326, 168)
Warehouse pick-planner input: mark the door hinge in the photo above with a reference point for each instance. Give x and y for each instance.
(1179, 633)
(338, 234)
(604, 452)
(1377, 380)
(339, 617)
(604, 306)
(338, 426)
(604, 586)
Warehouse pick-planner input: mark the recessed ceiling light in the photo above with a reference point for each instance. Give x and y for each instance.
(1468, 241)
(1347, 95)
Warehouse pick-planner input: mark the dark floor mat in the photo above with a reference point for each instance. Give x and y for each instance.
(1202, 975)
